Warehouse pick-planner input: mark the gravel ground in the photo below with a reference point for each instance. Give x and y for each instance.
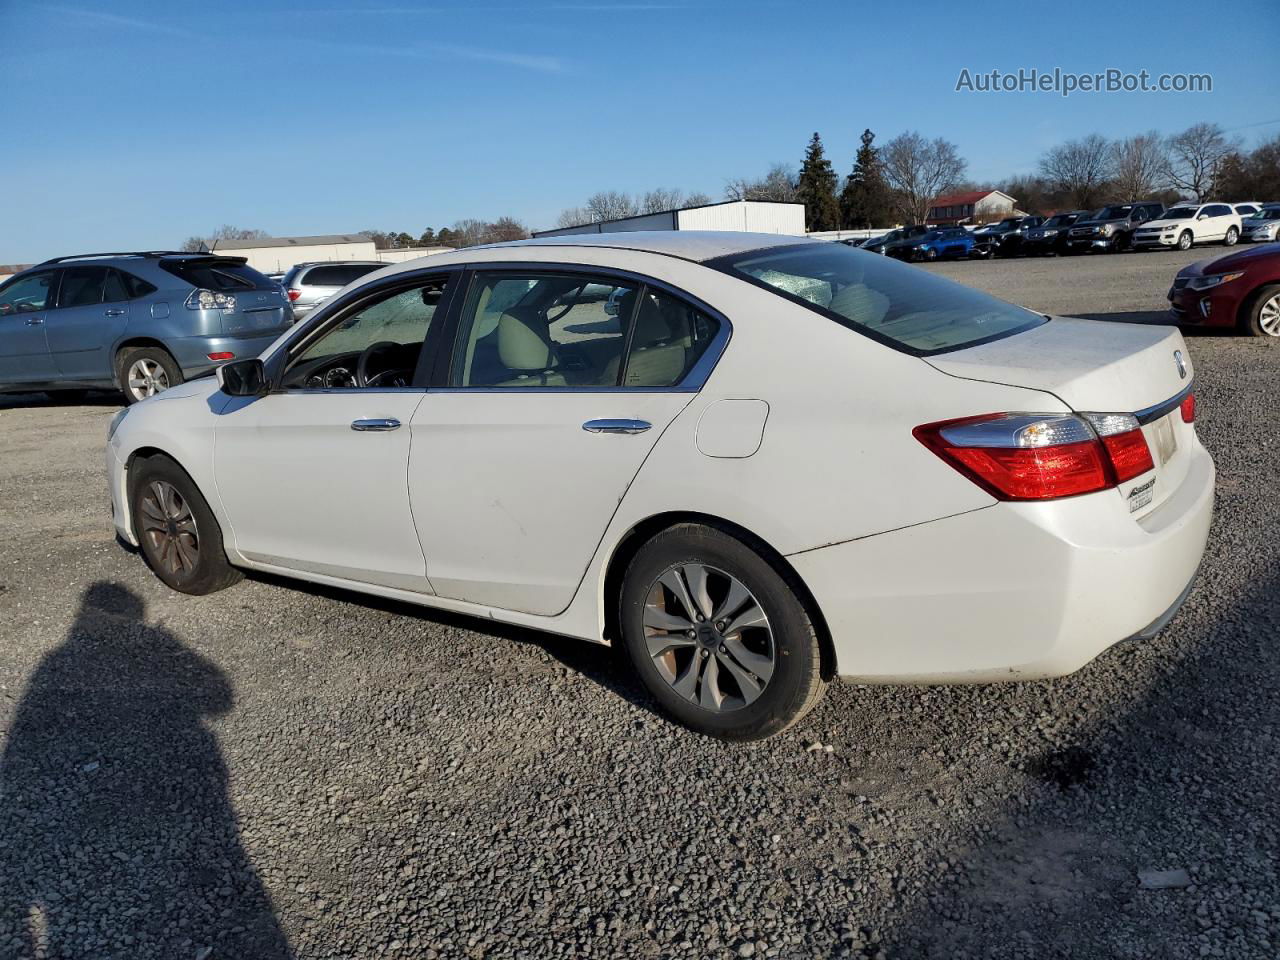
(281, 771)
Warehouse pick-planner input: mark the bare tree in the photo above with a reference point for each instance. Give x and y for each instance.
(778, 184)
(920, 171)
(504, 229)
(1079, 169)
(1139, 165)
(611, 205)
(1196, 157)
(662, 199)
(469, 233)
(573, 217)
(224, 232)
(698, 199)
(192, 245)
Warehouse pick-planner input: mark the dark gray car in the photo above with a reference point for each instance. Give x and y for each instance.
(137, 322)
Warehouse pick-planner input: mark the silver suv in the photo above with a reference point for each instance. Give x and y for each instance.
(308, 285)
(139, 322)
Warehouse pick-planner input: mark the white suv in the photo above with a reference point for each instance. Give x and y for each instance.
(1263, 226)
(1189, 223)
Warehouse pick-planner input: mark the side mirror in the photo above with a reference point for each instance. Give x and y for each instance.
(243, 378)
(1203, 216)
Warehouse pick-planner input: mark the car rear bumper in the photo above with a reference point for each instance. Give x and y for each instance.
(1009, 592)
(192, 353)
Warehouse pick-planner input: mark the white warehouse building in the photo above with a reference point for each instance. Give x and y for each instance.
(752, 216)
(278, 254)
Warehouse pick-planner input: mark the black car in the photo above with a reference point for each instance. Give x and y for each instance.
(900, 235)
(1051, 236)
(1004, 239)
(1111, 229)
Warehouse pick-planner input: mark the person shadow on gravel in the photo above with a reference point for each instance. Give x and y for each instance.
(117, 837)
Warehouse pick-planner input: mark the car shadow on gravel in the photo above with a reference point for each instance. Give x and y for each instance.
(1159, 318)
(117, 835)
(19, 401)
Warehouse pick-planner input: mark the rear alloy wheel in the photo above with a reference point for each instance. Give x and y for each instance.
(1232, 236)
(179, 536)
(1263, 317)
(718, 635)
(146, 371)
(1184, 241)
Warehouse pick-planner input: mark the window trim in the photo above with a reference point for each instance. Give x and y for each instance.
(333, 312)
(725, 265)
(693, 381)
(101, 286)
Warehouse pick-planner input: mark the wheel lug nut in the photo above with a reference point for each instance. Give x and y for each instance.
(691, 634)
(722, 650)
(719, 624)
(701, 618)
(704, 654)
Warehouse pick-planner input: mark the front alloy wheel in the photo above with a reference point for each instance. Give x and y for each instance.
(173, 538)
(1184, 241)
(1232, 236)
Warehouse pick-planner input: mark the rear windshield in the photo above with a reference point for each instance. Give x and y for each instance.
(227, 275)
(337, 276)
(904, 306)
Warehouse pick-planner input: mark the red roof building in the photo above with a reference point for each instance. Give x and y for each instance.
(963, 207)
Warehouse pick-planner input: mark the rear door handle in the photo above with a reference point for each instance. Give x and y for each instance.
(34, 321)
(375, 424)
(115, 313)
(617, 426)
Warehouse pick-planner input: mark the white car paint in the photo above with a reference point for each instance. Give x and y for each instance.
(501, 506)
(1206, 223)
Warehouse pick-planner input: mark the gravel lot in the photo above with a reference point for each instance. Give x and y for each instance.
(280, 770)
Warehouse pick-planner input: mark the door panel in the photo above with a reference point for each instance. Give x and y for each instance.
(24, 310)
(80, 339)
(511, 495)
(305, 490)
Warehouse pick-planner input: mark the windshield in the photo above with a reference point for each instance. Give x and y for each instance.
(1178, 213)
(904, 306)
(1059, 220)
(1115, 213)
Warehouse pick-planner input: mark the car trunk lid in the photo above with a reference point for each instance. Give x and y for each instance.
(1097, 367)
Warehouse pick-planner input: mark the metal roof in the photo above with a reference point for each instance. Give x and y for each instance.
(697, 245)
(330, 238)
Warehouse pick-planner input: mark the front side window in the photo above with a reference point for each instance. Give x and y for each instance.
(376, 345)
(910, 309)
(27, 294)
(81, 286)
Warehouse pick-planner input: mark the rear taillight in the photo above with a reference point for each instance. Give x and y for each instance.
(294, 295)
(211, 300)
(1019, 456)
(1188, 408)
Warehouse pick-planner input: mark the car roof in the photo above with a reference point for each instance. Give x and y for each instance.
(695, 245)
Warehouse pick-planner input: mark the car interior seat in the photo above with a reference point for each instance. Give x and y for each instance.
(524, 348)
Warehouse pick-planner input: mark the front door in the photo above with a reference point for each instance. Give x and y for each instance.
(93, 309)
(25, 304)
(313, 475)
(559, 386)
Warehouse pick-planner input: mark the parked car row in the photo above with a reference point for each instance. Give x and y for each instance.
(1111, 229)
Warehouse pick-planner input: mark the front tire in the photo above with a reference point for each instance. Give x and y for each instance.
(1185, 240)
(1262, 315)
(145, 371)
(718, 635)
(178, 533)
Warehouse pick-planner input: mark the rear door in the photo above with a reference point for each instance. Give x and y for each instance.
(25, 304)
(548, 405)
(93, 311)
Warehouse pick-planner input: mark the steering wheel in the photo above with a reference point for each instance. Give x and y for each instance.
(364, 378)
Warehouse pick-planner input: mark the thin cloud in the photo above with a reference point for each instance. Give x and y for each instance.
(132, 23)
(435, 51)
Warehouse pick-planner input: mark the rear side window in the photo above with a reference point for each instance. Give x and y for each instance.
(1218, 210)
(338, 275)
(135, 286)
(911, 310)
(81, 286)
(212, 274)
(669, 337)
(114, 291)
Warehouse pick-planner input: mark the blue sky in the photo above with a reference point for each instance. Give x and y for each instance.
(134, 125)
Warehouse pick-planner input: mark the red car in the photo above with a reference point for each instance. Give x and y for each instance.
(1235, 290)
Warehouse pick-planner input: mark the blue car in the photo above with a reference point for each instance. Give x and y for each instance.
(945, 243)
(136, 322)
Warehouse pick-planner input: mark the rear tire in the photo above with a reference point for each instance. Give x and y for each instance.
(145, 371)
(178, 533)
(753, 665)
(1262, 313)
(1232, 236)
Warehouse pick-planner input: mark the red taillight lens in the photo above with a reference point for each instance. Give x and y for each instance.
(1188, 407)
(294, 295)
(221, 356)
(1036, 473)
(1129, 453)
(1041, 456)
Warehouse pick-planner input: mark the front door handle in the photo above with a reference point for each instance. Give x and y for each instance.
(617, 426)
(376, 423)
(115, 313)
(34, 321)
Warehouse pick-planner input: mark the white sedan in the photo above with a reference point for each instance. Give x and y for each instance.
(770, 462)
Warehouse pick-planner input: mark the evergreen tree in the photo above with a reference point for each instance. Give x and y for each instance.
(816, 189)
(866, 200)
